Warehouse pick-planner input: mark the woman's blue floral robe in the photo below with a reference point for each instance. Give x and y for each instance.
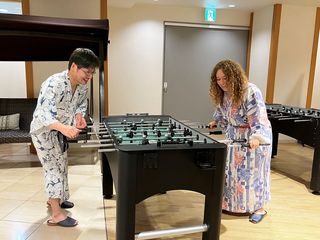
(247, 183)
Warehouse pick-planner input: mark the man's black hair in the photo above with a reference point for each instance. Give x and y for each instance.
(83, 58)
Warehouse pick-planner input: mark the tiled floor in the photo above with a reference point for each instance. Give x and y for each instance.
(23, 210)
(293, 212)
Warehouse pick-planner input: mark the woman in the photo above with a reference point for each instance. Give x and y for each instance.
(241, 112)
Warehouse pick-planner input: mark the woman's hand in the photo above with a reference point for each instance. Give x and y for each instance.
(254, 143)
(212, 125)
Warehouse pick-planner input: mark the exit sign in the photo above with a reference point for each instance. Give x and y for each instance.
(210, 15)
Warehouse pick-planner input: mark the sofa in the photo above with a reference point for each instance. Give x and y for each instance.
(21, 110)
(25, 108)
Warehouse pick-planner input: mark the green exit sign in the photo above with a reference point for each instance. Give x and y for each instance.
(210, 14)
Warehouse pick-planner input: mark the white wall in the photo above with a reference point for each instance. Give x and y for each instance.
(260, 47)
(294, 55)
(13, 84)
(66, 8)
(136, 52)
(13, 73)
(74, 9)
(81, 9)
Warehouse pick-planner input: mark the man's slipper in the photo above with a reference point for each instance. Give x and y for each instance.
(67, 204)
(68, 222)
(256, 217)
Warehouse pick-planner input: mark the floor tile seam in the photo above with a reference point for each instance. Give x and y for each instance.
(31, 232)
(13, 182)
(89, 186)
(105, 217)
(20, 221)
(29, 199)
(23, 192)
(27, 237)
(15, 208)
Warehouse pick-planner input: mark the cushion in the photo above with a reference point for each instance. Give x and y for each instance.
(10, 122)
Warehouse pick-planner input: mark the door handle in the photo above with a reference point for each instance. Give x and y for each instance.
(165, 87)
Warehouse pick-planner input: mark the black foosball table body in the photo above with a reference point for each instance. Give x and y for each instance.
(183, 160)
(302, 124)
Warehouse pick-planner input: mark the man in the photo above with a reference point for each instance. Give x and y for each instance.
(62, 104)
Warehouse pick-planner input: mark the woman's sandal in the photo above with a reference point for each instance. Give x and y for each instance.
(256, 217)
(236, 214)
(68, 222)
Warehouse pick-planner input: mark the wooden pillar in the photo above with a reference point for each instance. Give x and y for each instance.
(249, 44)
(273, 52)
(28, 65)
(313, 59)
(104, 15)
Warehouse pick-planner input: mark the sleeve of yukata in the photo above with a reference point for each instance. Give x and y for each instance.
(218, 116)
(257, 116)
(83, 102)
(47, 109)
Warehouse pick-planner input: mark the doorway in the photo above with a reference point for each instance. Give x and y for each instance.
(190, 53)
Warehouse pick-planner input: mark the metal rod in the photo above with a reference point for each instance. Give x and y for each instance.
(193, 123)
(303, 120)
(171, 232)
(140, 130)
(93, 126)
(95, 141)
(128, 122)
(139, 126)
(289, 118)
(106, 136)
(96, 145)
(232, 143)
(279, 116)
(184, 121)
(160, 138)
(108, 150)
(103, 132)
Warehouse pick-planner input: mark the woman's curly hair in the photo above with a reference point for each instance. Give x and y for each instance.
(236, 82)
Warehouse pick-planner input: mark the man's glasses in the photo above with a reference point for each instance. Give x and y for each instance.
(87, 72)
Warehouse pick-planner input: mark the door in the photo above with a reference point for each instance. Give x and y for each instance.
(190, 54)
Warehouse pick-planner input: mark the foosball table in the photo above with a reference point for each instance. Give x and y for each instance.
(144, 155)
(302, 124)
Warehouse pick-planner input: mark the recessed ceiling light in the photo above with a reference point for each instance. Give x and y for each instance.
(231, 5)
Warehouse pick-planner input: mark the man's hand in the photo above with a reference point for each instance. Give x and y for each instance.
(80, 121)
(70, 131)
